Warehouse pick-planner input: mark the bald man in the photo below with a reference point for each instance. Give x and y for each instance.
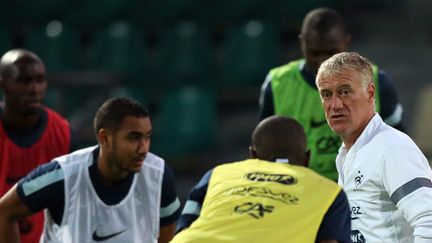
(30, 133)
(271, 197)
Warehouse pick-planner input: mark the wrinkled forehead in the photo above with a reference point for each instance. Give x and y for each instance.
(333, 80)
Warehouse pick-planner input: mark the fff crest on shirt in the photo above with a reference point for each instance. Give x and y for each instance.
(358, 180)
(283, 179)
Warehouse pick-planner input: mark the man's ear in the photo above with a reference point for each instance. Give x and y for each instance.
(252, 152)
(103, 136)
(371, 91)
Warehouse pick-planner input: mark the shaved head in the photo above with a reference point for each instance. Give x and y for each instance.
(280, 137)
(13, 58)
(323, 20)
(23, 84)
(323, 34)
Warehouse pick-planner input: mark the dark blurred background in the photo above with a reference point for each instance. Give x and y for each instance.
(199, 64)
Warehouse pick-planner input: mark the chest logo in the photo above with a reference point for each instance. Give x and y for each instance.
(355, 212)
(358, 181)
(266, 177)
(255, 210)
(357, 237)
(97, 237)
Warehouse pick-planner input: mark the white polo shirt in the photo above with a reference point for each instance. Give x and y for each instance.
(388, 183)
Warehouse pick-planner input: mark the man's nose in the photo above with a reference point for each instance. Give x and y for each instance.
(144, 145)
(335, 102)
(37, 87)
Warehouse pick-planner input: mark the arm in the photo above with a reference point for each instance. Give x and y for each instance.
(170, 207)
(166, 233)
(192, 208)
(336, 225)
(12, 209)
(390, 108)
(30, 196)
(407, 179)
(266, 99)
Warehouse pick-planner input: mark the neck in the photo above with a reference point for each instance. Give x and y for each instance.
(19, 123)
(109, 172)
(348, 142)
(309, 70)
(351, 137)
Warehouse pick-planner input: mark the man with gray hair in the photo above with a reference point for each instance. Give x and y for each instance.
(385, 175)
(290, 89)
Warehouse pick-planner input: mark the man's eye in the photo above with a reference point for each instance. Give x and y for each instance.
(25, 80)
(345, 92)
(325, 95)
(133, 138)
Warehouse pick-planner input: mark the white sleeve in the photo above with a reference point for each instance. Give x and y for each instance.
(407, 178)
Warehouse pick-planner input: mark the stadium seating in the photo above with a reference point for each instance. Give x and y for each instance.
(6, 39)
(119, 48)
(135, 92)
(96, 14)
(57, 44)
(186, 122)
(249, 51)
(185, 54)
(31, 11)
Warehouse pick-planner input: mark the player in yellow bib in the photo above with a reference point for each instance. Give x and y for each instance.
(272, 197)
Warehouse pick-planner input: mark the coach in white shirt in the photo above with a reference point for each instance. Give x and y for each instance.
(385, 175)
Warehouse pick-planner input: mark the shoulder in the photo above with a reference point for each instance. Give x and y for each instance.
(336, 223)
(286, 68)
(319, 179)
(228, 167)
(42, 177)
(392, 138)
(395, 147)
(154, 160)
(56, 117)
(384, 79)
(77, 159)
(386, 84)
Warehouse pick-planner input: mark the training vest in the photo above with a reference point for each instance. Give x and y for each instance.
(87, 218)
(16, 162)
(260, 201)
(294, 97)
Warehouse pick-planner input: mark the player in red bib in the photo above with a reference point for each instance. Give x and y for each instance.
(30, 134)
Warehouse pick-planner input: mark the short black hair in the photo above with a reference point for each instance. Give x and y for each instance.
(112, 112)
(323, 20)
(280, 137)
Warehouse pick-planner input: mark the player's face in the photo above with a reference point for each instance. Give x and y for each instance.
(348, 105)
(131, 144)
(25, 91)
(317, 48)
